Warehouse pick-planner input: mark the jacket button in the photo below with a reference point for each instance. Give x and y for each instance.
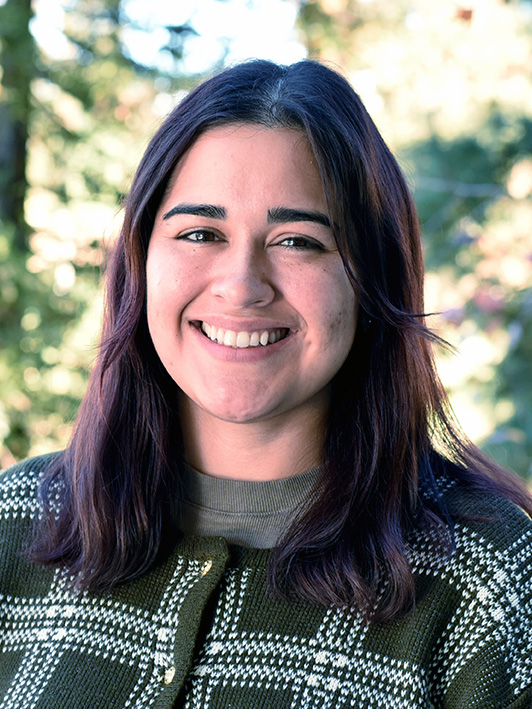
(169, 675)
(207, 565)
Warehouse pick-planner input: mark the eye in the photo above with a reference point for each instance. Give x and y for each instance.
(200, 236)
(301, 242)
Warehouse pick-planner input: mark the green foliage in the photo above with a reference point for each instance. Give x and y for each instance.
(451, 91)
(473, 213)
(44, 352)
(87, 113)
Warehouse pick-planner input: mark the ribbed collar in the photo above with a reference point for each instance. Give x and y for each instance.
(248, 513)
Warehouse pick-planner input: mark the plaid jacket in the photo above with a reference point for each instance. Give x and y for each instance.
(199, 630)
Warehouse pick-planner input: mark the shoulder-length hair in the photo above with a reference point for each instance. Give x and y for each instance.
(388, 412)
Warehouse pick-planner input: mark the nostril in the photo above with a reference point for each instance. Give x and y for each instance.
(243, 288)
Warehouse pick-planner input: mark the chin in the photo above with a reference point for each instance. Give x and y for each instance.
(241, 415)
(238, 404)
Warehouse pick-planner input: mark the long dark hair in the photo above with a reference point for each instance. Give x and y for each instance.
(389, 431)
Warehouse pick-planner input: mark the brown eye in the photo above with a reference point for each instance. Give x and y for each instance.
(200, 236)
(300, 242)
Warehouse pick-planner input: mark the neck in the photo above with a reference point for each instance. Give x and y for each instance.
(273, 449)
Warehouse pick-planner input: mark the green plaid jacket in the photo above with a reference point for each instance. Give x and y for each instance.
(199, 630)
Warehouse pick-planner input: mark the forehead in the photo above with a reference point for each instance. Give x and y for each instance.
(241, 157)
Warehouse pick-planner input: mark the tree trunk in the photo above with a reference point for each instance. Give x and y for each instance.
(17, 59)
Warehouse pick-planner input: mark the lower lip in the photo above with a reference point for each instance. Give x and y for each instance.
(240, 354)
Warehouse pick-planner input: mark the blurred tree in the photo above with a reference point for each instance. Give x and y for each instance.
(75, 110)
(450, 86)
(17, 62)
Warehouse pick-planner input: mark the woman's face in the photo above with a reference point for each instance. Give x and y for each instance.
(249, 306)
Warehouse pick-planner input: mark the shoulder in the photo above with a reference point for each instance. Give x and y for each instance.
(30, 469)
(493, 554)
(484, 518)
(471, 503)
(484, 592)
(19, 485)
(488, 528)
(19, 510)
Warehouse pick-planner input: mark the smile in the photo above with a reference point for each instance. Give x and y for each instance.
(243, 339)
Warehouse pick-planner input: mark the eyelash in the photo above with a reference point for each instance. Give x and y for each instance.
(202, 233)
(303, 244)
(300, 243)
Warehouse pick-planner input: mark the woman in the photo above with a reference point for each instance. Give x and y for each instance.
(265, 502)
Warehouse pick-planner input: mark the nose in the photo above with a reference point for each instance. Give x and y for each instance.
(241, 278)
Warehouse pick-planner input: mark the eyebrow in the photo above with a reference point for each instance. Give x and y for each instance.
(283, 215)
(277, 215)
(212, 211)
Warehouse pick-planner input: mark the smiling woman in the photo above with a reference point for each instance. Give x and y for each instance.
(240, 246)
(265, 502)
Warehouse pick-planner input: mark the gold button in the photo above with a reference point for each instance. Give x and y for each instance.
(169, 675)
(207, 565)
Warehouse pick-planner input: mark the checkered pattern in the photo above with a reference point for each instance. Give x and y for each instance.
(200, 631)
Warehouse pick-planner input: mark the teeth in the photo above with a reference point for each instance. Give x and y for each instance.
(229, 338)
(241, 340)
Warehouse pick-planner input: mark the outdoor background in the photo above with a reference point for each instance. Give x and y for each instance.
(84, 84)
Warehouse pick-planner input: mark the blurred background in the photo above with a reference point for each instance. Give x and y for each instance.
(84, 84)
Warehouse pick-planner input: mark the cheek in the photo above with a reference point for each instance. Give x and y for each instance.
(327, 302)
(168, 286)
(162, 300)
(342, 326)
(339, 309)
(155, 295)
